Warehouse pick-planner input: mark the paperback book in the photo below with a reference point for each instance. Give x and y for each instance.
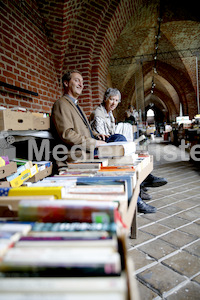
(66, 210)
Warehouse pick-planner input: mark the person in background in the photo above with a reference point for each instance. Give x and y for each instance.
(132, 117)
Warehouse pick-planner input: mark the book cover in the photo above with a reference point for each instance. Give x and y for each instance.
(63, 261)
(13, 201)
(11, 233)
(84, 165)
(100, 178)
(97, 189)
(56, 191)
(84, 288)
(55, 241)
(64, 227)
(66, 210)
(116, 149)
(102, 161)
(122, 168)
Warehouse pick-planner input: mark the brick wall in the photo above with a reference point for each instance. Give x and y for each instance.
(26, 58)
(41, 40)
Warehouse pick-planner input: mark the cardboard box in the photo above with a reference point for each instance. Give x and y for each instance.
(15, 120)
(39, 122)
(4, 183)
(7, 170)
(41, 174)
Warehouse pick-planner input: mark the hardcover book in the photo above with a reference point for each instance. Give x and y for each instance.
(84, 288)
(66, 210)
(64, 261)
(116, 149)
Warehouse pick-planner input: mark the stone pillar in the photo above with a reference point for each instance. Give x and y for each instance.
(139, 89)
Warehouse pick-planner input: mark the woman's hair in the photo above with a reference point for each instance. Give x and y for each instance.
(111, 92)
(67, 76)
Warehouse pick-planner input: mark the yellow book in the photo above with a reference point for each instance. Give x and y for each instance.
(25, 175)
(56, 191)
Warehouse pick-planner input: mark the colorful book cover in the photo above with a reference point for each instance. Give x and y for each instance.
(66, 210)
(56, 191)
(4, 191)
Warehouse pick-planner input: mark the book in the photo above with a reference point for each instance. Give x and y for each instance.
(56, 191)
(13, 201)
(84, 165)
(53, 181)
(97, 189)
(88, 163)
(122, 168)
(123, 160)
(15, 227)
(66, 210)
(84, 288)
(63, 227)
(73, 231)
(116, 149)
(55, 241)
(11, 233)
(63, 261)
(128, 178)
(78, 172)
(23, 167)
(102, 161)
(4, 160)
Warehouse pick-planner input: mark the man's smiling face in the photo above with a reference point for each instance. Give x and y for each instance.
(75, 85)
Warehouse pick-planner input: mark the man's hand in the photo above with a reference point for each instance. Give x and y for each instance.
(102, 137)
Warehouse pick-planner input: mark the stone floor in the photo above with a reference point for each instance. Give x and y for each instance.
(166, 254)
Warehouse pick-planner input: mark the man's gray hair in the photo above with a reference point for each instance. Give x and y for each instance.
(111, 92)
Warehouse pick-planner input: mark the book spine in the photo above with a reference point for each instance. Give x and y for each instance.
(52, 213)
(67, 270)
(74, 227)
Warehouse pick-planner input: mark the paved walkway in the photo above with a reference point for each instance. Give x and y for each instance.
(166, 253)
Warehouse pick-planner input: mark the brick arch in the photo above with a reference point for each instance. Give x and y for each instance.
(167, 101)
(96, 29)
(183, 86)
(180, 82)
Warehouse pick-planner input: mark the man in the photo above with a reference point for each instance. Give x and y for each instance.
(69, 124)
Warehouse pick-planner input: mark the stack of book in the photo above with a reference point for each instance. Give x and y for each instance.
(72, 250)
(9, 234)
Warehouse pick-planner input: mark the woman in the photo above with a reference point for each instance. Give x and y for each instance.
(102, 119)
(103, 122)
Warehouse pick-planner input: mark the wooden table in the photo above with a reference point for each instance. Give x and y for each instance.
(130, 218)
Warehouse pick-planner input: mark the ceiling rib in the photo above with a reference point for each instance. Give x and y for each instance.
(176, 54)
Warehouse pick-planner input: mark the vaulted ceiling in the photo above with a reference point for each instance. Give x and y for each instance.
(149, 50)
(162, 41)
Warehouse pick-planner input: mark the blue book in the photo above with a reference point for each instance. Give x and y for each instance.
(101, 179)
(4, 191)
